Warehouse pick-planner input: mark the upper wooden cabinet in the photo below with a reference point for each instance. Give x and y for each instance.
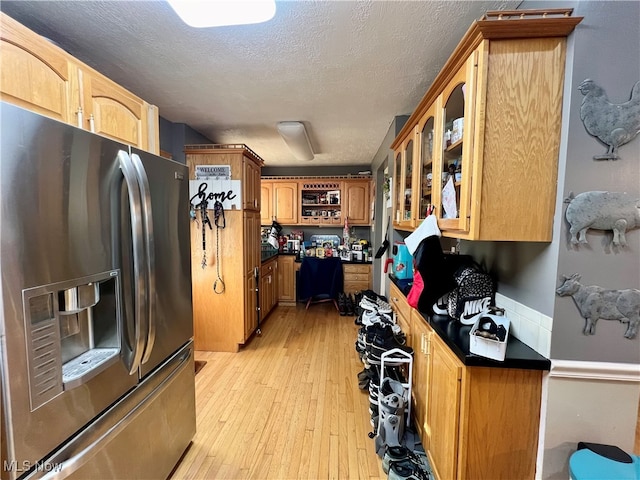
(266, 202)
(497, 111)
(110, 110)
(35, 74)
(41, 77)
(279, 202)
(356, 201)
(403, 182)
(427, 143)
(316, 200)
(285, 202)
(251, 193)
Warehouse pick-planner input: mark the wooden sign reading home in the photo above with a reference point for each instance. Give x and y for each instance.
(228, 192)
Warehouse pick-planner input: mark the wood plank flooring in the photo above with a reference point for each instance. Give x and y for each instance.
(286, 406)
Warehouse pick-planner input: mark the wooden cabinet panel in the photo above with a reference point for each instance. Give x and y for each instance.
(357, 277)
(251, 185)
(266, 203)
(399, 301)
(250, 317)
(279, 201)
(115, 112)
(420, 334)
(285, 202)
(357, 201)
(443, 414)
(513, 431)
(286, 280)
(268, 287)
(35, 74)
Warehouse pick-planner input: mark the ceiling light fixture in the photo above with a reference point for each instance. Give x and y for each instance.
(295, 136)
(219, 13)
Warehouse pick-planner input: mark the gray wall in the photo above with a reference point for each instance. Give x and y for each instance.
(381, 224)
(174, 136)
(604, 47)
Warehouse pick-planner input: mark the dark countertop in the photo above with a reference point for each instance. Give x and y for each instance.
(268, 255)
(456, 336)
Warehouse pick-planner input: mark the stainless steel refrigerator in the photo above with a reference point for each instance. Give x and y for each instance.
(96, 329)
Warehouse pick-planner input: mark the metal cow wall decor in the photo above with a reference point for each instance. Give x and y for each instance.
(596, 303)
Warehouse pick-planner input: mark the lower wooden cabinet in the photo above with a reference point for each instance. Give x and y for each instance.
(357, 277)
(268, 287)
(286, 280)
(474, 422)
(443, 412)
(420, 332)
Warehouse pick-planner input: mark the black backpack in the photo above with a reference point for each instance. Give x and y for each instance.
(474, 294)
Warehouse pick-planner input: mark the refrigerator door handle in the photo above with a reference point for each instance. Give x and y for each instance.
(140, 317)
(150, 274)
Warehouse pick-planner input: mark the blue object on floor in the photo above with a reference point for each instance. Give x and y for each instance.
(594, 461)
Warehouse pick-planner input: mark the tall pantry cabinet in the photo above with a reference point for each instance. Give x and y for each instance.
(225, 318)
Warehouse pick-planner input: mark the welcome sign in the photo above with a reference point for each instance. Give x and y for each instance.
(213, 183)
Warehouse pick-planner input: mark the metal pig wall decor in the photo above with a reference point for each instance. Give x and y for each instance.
(595, 302)
(612, 124)
(599, 210)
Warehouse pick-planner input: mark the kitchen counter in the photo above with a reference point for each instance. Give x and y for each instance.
(456, 336)
(268, 255)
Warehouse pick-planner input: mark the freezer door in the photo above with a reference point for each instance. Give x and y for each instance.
(63, 283)
(171, 323)
(141, 437)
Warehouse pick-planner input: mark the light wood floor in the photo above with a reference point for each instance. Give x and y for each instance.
(286, 406)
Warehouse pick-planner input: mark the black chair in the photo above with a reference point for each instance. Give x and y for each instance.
(320, 280)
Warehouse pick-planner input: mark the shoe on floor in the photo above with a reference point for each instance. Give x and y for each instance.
(349, 305)
(342, 304)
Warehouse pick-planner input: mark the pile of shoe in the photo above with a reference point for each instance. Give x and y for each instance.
(401, 463)
(379, 332)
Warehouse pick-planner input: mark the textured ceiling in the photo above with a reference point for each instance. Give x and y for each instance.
(344, 68)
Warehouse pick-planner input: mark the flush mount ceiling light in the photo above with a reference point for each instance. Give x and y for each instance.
(295, 136)
(218, 13)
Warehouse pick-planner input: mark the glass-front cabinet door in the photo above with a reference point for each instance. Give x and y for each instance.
(428, 145)
(455, 170)
(407, 182)
(398, 200)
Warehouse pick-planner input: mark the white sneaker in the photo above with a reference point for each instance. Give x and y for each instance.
(368, 305)
(383, 307)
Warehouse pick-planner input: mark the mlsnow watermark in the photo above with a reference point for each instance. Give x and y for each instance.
(25, 466)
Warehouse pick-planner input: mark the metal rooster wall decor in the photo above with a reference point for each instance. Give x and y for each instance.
(614, 211)
(612, 124)
(595, 302)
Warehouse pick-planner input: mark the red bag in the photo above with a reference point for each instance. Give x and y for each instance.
(416, 289)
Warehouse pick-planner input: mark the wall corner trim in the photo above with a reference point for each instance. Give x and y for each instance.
(621, 372)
